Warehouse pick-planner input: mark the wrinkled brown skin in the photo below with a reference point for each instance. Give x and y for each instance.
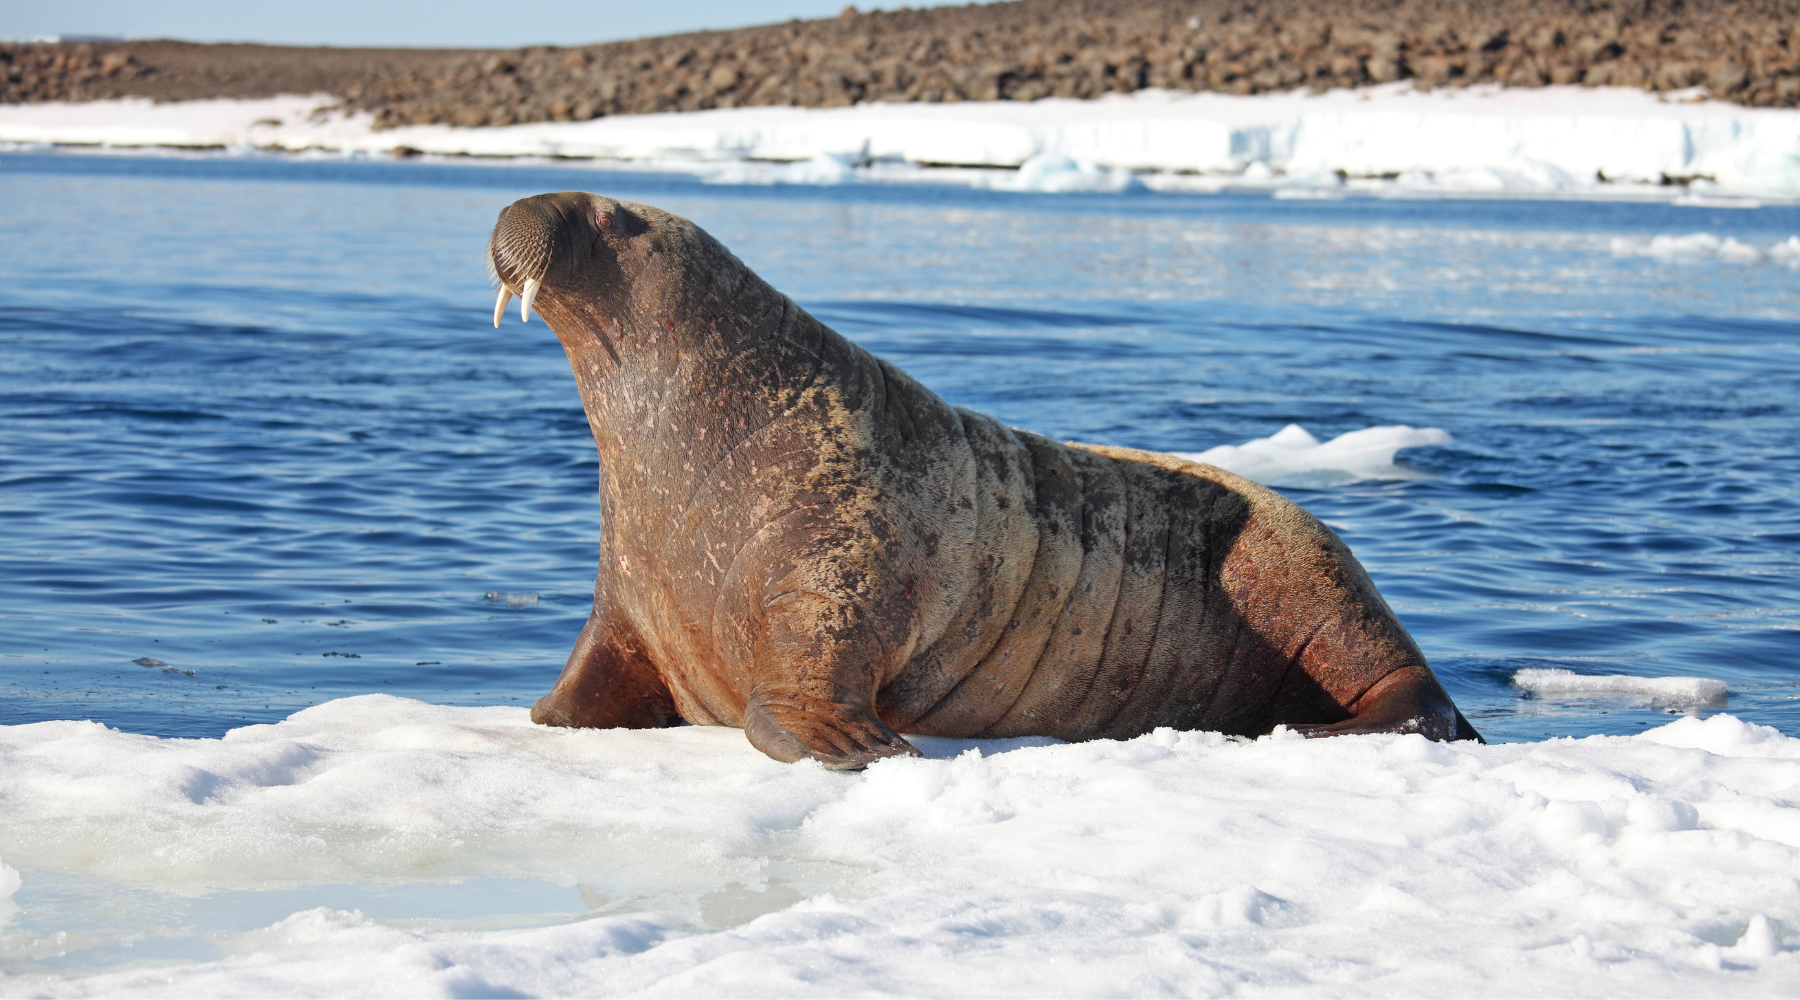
(800, 540)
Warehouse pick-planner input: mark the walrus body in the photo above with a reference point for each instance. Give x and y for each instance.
(800, 540)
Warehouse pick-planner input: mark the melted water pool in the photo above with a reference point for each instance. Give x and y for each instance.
(261, 435)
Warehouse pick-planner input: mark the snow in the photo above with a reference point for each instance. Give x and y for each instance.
(1393, 139)
(1293, 457)
(683, 862)
(1693, 691)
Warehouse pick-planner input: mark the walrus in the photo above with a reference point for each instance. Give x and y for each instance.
(799, 540)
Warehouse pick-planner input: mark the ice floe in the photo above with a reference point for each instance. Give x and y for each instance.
(1688, 691)
(1293, 457)
(1393, 139)
(682, 861)
(1706, 246)
(1054, 173)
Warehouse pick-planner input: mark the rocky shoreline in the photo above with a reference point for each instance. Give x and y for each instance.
(1747, 52)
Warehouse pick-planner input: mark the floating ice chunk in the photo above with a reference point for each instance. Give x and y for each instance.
(1694, 246)
(821, 169)
(1052, 173)
(1703, 246)
(511, 600)
(1694, 691)
(1310, 194)
(1787, 251)
(1742, 253)
(1292, 456)
(825, 168)
(1713, 201)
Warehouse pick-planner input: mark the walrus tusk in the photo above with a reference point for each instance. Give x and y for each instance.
(527, 297)
(500, 305)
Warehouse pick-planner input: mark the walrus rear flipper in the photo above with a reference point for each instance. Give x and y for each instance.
(1408, 700)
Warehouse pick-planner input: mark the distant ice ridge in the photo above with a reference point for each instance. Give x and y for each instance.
(1706, 246)
(684, 862)
(1293, 457)
(1393, 139)
(1698, 692)
(1047, 173)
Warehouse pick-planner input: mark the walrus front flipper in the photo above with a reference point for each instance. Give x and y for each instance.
(1409, 700)
(607, 683)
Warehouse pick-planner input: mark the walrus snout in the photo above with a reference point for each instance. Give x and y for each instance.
(519, 254)
(531, 235)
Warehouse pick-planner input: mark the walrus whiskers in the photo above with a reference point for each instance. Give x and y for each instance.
(521, 251)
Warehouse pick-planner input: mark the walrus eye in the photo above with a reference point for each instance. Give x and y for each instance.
(604, 220)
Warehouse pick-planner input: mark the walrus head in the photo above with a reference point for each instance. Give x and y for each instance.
(595, 255)
(550, 238)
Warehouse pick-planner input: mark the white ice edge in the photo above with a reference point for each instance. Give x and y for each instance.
(1171, 864)
(1293, 457)
(1552, 681)
(1485, 139)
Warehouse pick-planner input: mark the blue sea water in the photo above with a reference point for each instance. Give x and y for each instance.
(260, 433)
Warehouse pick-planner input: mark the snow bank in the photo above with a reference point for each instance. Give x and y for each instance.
(1172, 864)
(1293, 457)
(1689, 691)
(1566, 140)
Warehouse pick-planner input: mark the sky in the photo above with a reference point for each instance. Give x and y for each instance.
(421, 23)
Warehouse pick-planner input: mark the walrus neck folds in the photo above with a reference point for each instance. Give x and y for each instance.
(649, 345)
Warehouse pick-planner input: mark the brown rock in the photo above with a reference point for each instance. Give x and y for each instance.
(1742, 50)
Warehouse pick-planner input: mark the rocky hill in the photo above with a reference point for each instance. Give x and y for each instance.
(1747, 51)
